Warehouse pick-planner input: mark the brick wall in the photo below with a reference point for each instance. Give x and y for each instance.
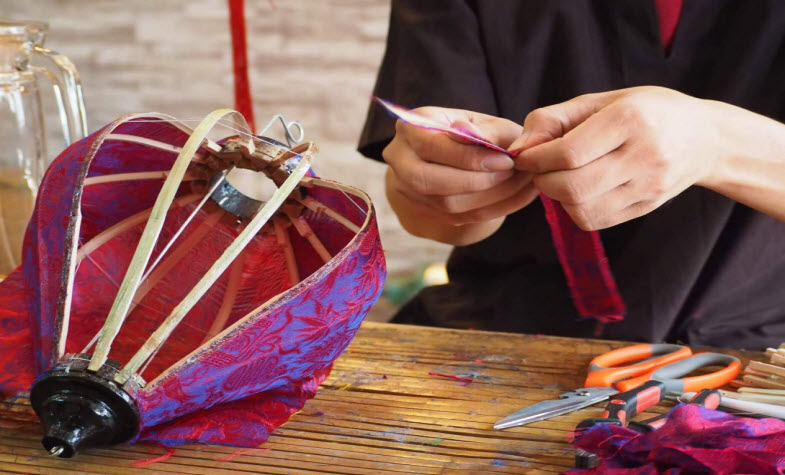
(312, 60)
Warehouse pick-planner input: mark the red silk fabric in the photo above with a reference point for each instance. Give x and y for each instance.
(668, 13)
(586, 268)
(692, 440)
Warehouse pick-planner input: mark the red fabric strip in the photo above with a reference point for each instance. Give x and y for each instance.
(586, 268)
(242, 88)
(668, 13)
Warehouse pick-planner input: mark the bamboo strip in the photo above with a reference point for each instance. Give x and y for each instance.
(147, 241)
(109, 233)
(304, 230)
(766, 368)
(319, 207)
(738, 384)
(118, 177)
(776, 392)
(168, 325)
(187, 222)
(145, 141)
(69, 286)
(176, 256)
(778, 400)
(230, 295)
(763, 382)
(286, 244)
(208, 144)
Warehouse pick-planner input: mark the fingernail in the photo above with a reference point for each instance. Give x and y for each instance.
(496, 163)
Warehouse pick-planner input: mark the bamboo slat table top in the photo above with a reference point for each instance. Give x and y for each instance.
(381, 412)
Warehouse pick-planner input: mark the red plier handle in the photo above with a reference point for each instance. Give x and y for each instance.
(609, 368)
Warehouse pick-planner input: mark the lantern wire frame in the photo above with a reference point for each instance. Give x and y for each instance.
(136, 281)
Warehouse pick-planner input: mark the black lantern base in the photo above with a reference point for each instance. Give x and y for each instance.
(81, 409)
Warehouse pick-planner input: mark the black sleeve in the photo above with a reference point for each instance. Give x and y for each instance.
(434, 57)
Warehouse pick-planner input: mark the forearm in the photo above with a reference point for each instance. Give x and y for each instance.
(752, 171)
(419, 224)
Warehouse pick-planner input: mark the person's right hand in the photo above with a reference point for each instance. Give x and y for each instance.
(437, 179)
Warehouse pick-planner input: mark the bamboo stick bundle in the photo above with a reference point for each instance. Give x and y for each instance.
(763, 381)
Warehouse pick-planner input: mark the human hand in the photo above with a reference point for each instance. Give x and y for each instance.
(611, 157)
(447, 179)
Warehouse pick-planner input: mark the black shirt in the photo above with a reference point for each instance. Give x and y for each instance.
(701, 269)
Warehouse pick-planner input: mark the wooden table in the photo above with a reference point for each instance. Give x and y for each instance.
(381, 412)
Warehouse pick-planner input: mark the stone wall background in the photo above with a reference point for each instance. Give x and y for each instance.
(312, 60)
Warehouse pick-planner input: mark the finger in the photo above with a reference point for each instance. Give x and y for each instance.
(549, 123)
(455, 204)
(520, 200)
(619, 205)
(434, 179)
(496, 130)
(600, 134)
(588, 182)
(436, 147)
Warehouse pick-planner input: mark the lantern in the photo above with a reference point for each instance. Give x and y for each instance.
(157, 301)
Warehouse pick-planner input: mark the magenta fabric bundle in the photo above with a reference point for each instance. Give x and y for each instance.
(693, 440)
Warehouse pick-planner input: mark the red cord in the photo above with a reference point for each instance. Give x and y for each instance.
(242, 87)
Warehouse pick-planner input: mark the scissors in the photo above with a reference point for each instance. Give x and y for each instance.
(626, 368)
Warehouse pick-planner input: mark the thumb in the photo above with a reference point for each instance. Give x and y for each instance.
(549, 123)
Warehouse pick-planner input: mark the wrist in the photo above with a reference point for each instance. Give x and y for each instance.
(730, 141)
(750, 168)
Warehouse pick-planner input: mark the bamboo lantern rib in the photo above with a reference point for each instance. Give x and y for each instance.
(145, 141)
(254, 226)
(186, 223)
(118, 177)
(73, 259)
(288, 250)
(129, 222)
(208, 144)
(319, 207)
(230, 295)
(305, 230)
(176, 256)
(147, 241)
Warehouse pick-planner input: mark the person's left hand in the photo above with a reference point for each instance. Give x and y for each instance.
(611, 157)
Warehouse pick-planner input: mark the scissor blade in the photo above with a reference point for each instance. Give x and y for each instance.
(566, 403)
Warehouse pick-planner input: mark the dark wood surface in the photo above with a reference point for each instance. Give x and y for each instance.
(381, 412)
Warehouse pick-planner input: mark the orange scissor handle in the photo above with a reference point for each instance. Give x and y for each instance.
(610, 367)
(673, 375)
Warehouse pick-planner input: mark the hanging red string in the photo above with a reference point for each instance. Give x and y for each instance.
(242, 87)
